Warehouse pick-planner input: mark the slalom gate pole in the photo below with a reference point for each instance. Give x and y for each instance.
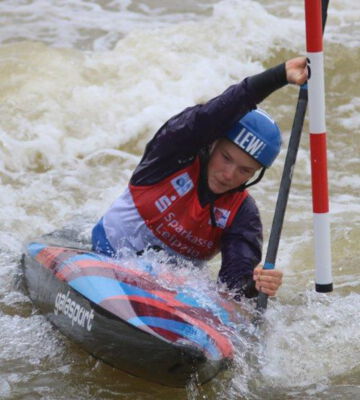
(286, 178)
(314, 46)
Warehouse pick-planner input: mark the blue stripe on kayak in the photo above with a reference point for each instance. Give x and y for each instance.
(189, 300)
(190, 332)
(35, 248)
(98, 288)
(214, 308)
(86, 256)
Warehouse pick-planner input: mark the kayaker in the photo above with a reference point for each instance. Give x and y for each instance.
(188, 195)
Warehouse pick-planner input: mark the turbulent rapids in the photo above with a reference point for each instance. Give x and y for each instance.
(83, 86)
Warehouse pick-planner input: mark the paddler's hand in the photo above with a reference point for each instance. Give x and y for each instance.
(296, 70)
(267, 281)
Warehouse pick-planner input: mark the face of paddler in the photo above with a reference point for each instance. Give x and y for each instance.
(229, 167)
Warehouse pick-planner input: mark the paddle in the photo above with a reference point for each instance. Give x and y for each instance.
(286, 178)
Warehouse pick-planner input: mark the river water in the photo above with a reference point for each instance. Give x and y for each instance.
(83, 86)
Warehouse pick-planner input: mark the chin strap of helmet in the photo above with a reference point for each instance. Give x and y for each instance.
(246, 185)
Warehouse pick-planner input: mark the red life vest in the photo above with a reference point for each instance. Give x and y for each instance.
(172, 211)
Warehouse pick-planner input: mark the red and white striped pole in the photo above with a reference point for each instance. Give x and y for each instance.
(316, 95)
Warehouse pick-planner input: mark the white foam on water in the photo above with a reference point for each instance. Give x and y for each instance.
(31, 339)
(100, 24)
(342, 21)
(110, 98)
(67, 23)
(313, 341)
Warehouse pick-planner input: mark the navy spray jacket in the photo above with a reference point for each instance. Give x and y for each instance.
(189, 134)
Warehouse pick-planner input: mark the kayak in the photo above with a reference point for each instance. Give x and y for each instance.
(148, 324)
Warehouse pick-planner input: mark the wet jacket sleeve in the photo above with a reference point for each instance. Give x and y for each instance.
(241, 250)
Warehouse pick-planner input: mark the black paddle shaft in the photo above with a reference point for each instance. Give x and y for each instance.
(286, 178)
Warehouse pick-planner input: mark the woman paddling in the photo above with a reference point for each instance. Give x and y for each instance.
(188, 196)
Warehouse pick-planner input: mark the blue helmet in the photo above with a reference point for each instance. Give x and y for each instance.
(258, 135)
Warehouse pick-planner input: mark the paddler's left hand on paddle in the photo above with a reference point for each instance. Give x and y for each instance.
(267, 281)
(296, 70)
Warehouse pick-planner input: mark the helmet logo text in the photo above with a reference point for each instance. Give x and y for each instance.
(249, 143)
